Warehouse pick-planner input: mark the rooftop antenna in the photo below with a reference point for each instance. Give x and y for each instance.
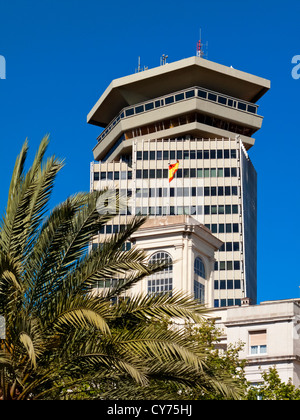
(200, 48)
(139, 68)
(163, 59)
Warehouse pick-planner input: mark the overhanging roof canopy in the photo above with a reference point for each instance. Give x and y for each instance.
(159, 81)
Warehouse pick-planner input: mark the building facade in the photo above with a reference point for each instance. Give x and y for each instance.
(204, 116)
(270, 336)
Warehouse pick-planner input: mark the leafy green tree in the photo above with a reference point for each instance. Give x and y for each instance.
(65, 338)
(273, 388)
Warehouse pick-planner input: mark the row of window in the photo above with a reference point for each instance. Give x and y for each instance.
(184, 192)
(223, 227)
(186, 154)
(227, 284)
(189, 210)
(227, 265)
(215, 228)
(164, 173)
(198, 117)
(230, 246)
(176, 97)
(186, 173)
(112, 175)
(220, 303)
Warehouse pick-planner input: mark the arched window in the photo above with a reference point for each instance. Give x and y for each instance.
(199, 267)
(161, 282)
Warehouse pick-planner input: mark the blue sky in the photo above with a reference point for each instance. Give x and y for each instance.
(61, 55)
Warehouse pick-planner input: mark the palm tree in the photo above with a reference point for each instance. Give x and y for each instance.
(60, 334)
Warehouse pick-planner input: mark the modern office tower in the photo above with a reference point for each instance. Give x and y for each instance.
(203, 115)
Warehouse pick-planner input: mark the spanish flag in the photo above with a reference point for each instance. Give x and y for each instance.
(172, 170)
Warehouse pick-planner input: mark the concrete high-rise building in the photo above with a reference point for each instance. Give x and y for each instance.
(203, 115)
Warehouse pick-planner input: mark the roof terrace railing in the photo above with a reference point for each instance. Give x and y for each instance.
(193, 92)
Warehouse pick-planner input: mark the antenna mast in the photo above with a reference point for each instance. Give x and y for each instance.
(200, 48)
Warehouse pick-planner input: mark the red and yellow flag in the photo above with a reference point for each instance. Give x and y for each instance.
(172, 170)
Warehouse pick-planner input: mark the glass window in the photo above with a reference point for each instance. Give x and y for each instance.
(96, 176)
(212, 96)
(179, 154)
(152, 173)
(199, 173)
(202, 93)
(199, 291)
(186, 154)
(234, 190)
(110, 175)
(213, 154)
(139, 109)
(129, 112)
(190, 93)
(227, 190)
(226, 154)
(186, 173)
(235, 209)
(235, 227)
(220, 172)
(221, 228)
(152, 155)
(145, 173)
(230, 284)
(157, 104)
(213, 172)
(222, 284)
(222, 100)
(206, 154)
(228, 227)
(199, 268)
(233, 153)
(236, 246)
(172, 154)
(252, 109)
(192, 154)
(161, 282)
(236, 265)
(242, 106)
(220, 191)
(149, 106)
(159, 155)
(179, 96)
(233, 171)
(193, 172)
(103, 175)
(145, 155)
(199, 154)
(169, 100)
(139, 155)
(219, 154)
(206, 173)
(227, 172)
(237, 284)
(166, 155)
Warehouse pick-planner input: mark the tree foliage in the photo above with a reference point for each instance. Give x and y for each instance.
(61, 336)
